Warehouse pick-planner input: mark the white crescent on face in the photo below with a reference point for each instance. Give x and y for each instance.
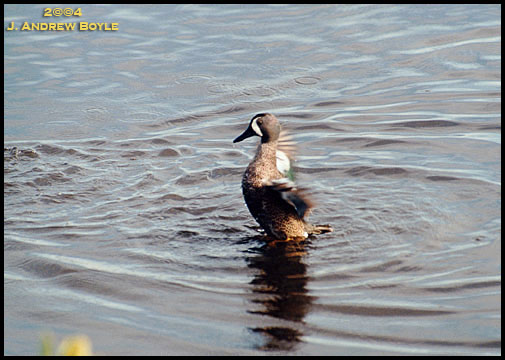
(256, 128)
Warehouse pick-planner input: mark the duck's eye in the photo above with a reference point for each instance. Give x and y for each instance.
(260, 121)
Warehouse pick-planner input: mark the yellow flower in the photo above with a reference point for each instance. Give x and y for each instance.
(78, 345)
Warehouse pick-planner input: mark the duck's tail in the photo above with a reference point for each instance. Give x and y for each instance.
(318, 229)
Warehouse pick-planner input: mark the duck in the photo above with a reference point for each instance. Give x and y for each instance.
(268, 187)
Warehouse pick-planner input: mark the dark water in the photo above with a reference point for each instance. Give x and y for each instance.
(124, 218)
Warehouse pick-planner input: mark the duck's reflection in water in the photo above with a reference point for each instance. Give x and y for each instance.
(280, 291)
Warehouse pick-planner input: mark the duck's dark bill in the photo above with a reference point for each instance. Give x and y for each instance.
(248, 133)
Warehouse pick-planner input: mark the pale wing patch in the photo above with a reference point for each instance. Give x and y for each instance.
(283, 163)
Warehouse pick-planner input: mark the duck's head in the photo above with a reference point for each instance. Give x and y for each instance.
(265, 126)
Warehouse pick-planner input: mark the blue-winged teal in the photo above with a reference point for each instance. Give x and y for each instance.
(273, 200)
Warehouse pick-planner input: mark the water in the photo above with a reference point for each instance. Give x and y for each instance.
(124, 218)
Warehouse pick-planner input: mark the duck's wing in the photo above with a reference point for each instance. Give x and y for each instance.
(295, 197)
(284, 165)
(286, 149)
(286, 144)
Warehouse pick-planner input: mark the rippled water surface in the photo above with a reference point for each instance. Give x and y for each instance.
(124, 218)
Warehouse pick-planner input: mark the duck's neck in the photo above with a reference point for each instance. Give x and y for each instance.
(264, 165)
(266, 153)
